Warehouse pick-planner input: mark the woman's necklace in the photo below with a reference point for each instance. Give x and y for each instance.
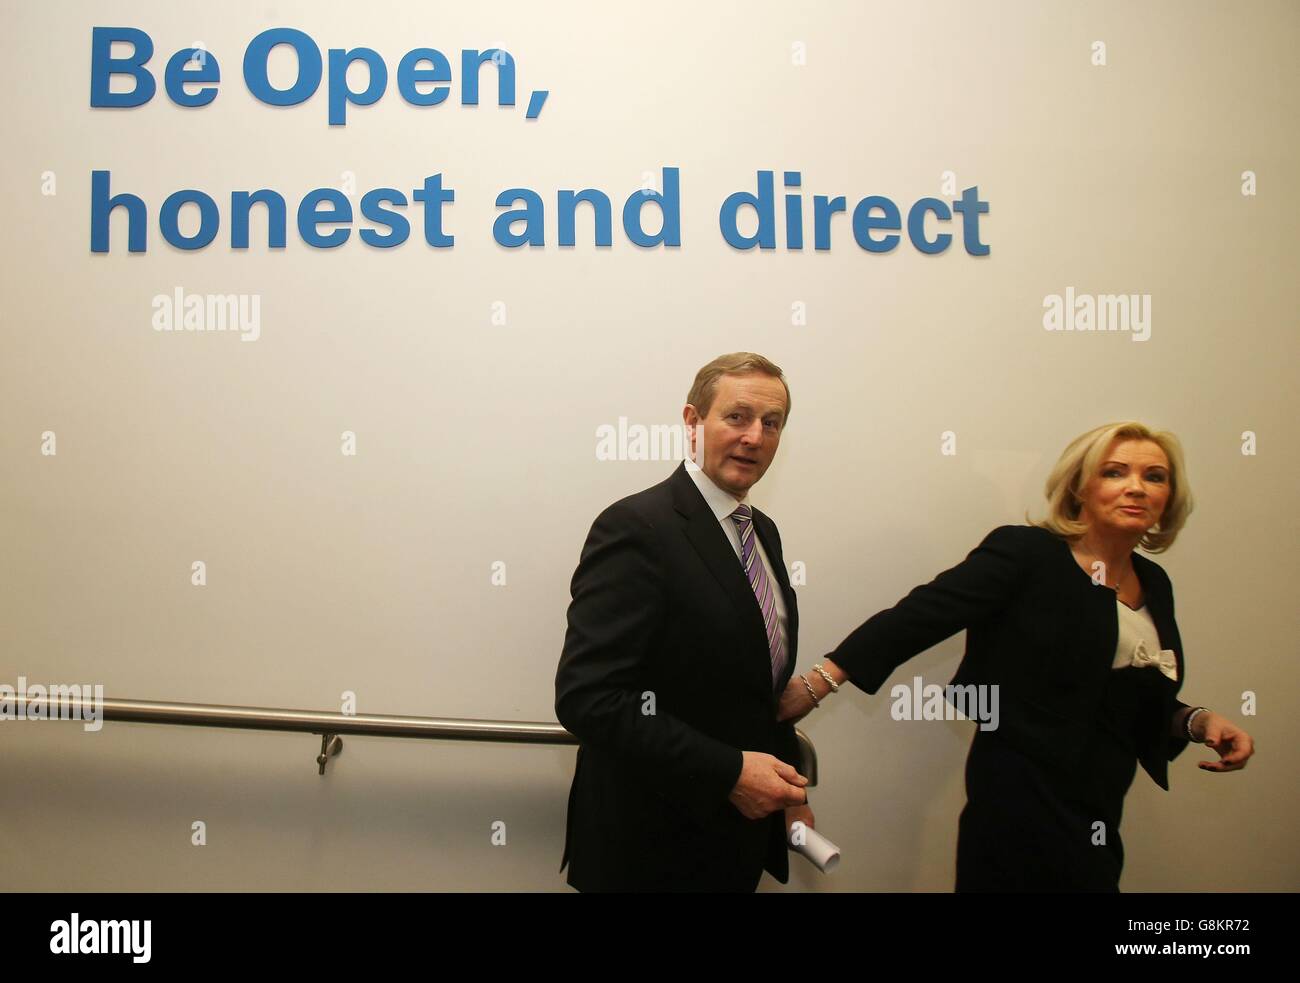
(1118, 580)
(1116, 588)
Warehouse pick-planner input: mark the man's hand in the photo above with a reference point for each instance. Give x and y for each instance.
(1233, 744)
(798, 814)
(766, 784)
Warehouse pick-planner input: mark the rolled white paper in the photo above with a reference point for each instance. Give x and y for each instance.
(820, 852)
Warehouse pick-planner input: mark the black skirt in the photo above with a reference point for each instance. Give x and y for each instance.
(1029, 827)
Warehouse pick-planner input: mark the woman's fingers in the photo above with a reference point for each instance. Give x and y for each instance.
(1232, 743)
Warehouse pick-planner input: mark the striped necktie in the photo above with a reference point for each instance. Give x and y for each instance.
(762, 587)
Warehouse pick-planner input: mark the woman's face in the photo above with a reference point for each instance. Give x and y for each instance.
(1129, 491)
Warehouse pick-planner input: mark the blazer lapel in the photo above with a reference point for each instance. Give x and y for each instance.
(1161, 608)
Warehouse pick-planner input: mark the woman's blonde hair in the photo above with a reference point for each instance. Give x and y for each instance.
(1080, 462)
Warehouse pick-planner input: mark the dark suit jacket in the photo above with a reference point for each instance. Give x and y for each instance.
(662, 610)
(1038, 627)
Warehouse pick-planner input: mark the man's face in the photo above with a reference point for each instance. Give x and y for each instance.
(741, 431)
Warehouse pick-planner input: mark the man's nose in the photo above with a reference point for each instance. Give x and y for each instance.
(754, 434)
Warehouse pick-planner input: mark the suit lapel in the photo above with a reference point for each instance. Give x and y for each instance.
(719, 557)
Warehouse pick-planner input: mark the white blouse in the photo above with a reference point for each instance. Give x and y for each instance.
(1139, 642)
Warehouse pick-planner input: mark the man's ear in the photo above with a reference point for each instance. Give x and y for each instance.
(691, 417)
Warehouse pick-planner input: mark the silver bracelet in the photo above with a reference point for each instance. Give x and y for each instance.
(821, 671)
(1187, 723)
(811, 693)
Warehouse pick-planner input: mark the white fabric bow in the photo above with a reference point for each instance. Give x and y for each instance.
(1166, 661)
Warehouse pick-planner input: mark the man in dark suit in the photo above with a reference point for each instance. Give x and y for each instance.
(681, 634)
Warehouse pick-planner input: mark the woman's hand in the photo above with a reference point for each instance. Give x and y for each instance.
(1232, 743)
(795, 703)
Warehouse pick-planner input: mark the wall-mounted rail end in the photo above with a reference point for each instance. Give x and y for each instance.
(331, 745)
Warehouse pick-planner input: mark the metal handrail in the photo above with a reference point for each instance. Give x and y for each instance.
(330, 726)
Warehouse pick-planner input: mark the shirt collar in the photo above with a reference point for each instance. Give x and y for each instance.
(721, 503)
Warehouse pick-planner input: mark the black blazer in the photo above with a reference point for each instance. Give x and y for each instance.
(662, 610)
(1039, 628)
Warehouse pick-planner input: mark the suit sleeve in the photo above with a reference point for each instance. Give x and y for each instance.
(617, 610)
(1174, 745)
(975, 589)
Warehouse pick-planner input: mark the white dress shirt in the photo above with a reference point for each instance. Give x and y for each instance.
(723, 503)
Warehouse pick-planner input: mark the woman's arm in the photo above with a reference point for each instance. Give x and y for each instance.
(978, 587)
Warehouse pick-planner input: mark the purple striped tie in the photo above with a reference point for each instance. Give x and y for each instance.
(762, 587)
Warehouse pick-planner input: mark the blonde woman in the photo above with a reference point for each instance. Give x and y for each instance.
(1077, 631)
